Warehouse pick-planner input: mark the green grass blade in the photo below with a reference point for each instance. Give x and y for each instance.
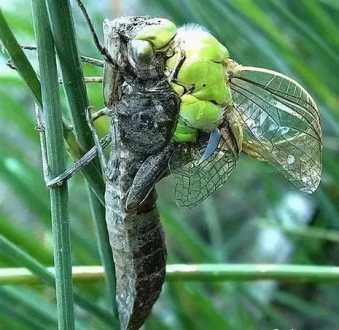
(318, 41)
(319, 18)
(28, 74)
(18, 236)
(185, 237)
(21, 258)
(190, 272)
(34, 305)
(20, 60)
(25, 181)
(192, 301)
(64, 35)
(8, 322)
(56, 164)
(22, 317)
(306, 307)
(253, 12)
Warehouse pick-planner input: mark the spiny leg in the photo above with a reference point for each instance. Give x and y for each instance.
(177, 67)
(85, 59)
(91, 79)
(96, 139)
(103, 50)
(80, 164)
(41, 130)
(91, 60)
(98, 114)
(149, 173)
(77, 166)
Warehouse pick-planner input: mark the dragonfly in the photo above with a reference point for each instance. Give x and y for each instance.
(179, 105)
(250, 110)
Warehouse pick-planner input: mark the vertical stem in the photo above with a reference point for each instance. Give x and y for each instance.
(19, 59)
(104, 249)
(56, 165)
(27, 73)
(65, 43)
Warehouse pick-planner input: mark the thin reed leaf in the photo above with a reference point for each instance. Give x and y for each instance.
(55, 150)
(19, 59)
(37, 307)
(64, 36)
(19, 237)
(21, 258)
(26, 71)
(21, 316)
(196, 273)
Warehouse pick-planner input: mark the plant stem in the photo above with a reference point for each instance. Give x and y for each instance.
(64, 36)
(29, 76)
(252, 272)
(56, 164)
(26, 71)
(19, 59)
(198, 273)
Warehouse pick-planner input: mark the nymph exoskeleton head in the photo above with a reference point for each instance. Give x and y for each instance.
(137, 44)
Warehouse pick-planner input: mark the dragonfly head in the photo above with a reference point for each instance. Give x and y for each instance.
(147, 48)
(140, 53)
(158, 32)
(139, 44)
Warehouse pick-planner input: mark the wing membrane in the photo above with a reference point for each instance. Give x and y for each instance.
(195, 180)
(281, 123)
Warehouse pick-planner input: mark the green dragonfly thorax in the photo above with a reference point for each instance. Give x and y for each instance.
(199, 65)
(196, 67)
(159, 35)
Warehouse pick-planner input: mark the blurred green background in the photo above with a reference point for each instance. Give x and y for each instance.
(257, 217)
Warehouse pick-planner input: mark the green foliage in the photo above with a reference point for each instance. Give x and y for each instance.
(53, 145)
(257, 218)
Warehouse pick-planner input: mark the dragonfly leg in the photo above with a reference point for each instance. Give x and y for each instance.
(93, 80)
(80, 163)
(103, 50)
(77, 166)
(41, 128)
(101, 155)
(101, 112)
(177, 67)
(91, 60)
(85, 59)
(149, 173)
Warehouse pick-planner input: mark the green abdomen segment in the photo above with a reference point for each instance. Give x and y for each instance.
(196, 115)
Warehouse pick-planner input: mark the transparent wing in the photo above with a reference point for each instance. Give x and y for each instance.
(281, 123)
(195, 180)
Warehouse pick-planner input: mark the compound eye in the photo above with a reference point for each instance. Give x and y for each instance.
(141, 52)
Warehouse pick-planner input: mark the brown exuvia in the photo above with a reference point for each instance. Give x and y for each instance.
(144, 111)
